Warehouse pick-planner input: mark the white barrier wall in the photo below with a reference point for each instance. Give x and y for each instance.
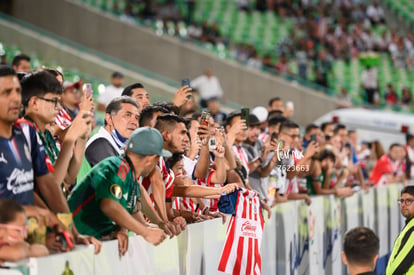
(298, 239)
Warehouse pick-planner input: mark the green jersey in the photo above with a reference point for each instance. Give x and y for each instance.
(112, 178)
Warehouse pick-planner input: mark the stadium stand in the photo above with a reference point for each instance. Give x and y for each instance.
(250, 37)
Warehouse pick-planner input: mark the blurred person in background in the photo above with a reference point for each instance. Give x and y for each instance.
(275, 104)
(213, 107)
(406, 98)
(390, 168)
(409, 148)
(138, 92)
(21, 63)
(321, 177)
(207, 86)
(111, 91)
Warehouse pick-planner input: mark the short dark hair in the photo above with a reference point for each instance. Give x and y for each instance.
(115, 105)
(176, 157)
(38, 84)
(360, 246)
(326, 124)
(169, 106)
(394, 145)
(147, 114)
(338, 128)
(409, 137)
(273, 99)
(310, 127)
(408, 190)
(326, 153)
(168, 122)
(53, 72)
(351, 132)
(231, 116)
(8, 210)
(117, 75)
(275, 120)
(288, 124)
(128, 90)
(6, 71)
(19, 58)
(273, 113)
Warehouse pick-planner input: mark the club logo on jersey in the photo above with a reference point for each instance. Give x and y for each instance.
(20, 181)
(3, 159)
(116, 191)
(248, 230)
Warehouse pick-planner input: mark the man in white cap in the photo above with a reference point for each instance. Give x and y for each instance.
(261, 113)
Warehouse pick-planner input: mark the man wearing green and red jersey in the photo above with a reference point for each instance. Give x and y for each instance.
(108, 197)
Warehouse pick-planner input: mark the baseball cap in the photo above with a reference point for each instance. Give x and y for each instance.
(261, 113)
(253, 120)
(147, 141)
(69, 85)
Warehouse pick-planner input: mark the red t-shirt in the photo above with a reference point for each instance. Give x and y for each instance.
(385, 166)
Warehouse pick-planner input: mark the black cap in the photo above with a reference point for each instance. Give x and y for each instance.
(253, 120)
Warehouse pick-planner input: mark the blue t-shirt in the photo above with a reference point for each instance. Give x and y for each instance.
(22, 158)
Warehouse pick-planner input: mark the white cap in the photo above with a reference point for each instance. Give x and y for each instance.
(290, 106)
(261, 113)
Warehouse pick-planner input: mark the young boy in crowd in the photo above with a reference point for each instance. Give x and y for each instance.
(13, 231)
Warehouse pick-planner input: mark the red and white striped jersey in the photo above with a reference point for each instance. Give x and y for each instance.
(211, 203)
(264, 136)
(242, 156)
(241, 252)
(63, 119)
(167, 176)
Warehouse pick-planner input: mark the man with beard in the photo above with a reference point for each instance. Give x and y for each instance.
(402, 256)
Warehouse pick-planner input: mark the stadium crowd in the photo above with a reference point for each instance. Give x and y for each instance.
(154, 167)
(321, 35)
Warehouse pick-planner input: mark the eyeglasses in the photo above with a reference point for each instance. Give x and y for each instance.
(407, 202)
(21, 229)
(55, 100)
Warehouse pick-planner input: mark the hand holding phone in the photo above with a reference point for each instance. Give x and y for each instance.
(186, 82)
(205, 117)
(245, 112)
(87, 87)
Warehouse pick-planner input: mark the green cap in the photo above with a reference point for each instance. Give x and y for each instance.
(147, 141)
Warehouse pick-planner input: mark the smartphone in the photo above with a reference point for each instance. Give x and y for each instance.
(87, 87)
(186, 82)
(245, 112)
(313, 138)
(65, 240)
(212, 144)
(205, 117)
(273, 136)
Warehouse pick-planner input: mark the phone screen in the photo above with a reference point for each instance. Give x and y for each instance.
(313, 138)
(88, 88)
(185, 82)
